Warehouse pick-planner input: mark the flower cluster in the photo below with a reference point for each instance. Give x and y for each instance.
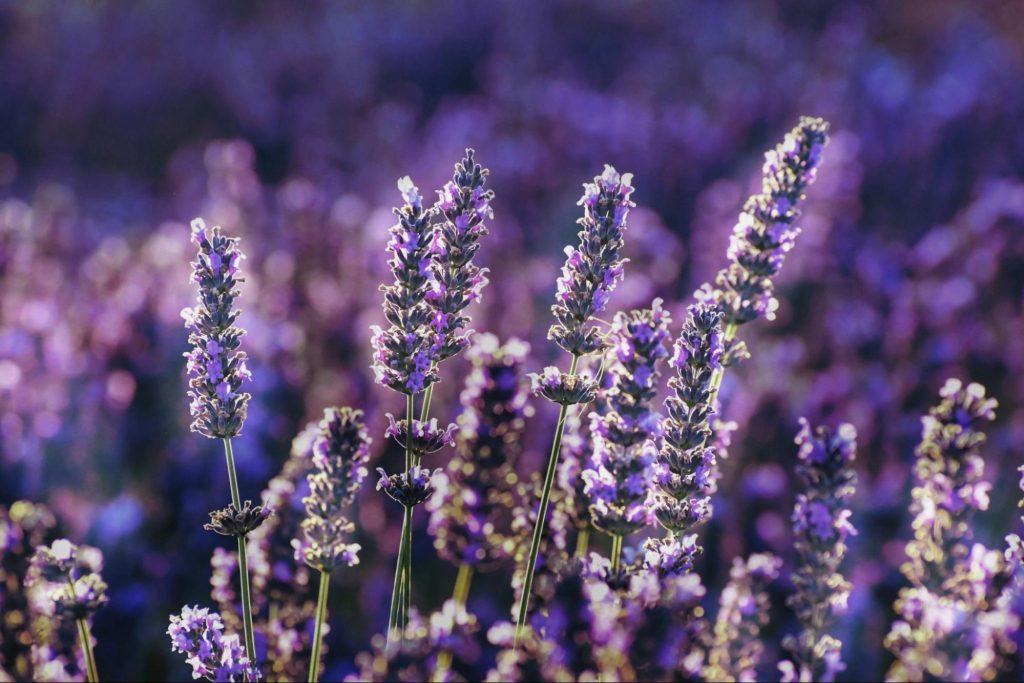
(621, 470)
(470, 517)
(199, 635)
(340, 454)
(71, 576)
(953, 622)
(216, 366)
(592, 270)
(821, 524)
(405, 353)
(463, 204)
(408, 488)
(427, 437)
(230, 521)
(687, 461)
(563, 388)
(765, 232)
(743, 611)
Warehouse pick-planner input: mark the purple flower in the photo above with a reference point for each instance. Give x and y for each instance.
(563, 388)
(340, 453)
(820, 526)
(764, 233)
(199, 635)
(216, 366)
(427, 437)
(69, 576)
(592, 270)
(463, 204)
(405, 353)
(408, 488)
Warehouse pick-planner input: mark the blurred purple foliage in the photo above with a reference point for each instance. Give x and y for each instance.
(288, 123)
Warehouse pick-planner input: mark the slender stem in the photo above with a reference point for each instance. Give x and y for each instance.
(321, 612)
(243, 562)
(407, 571)
(85, 638)
(616, 552)
(542, 511)
(582, 542)
(427, 396)
(396, 590)
(462, 583)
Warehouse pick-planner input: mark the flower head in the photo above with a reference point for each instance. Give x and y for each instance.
(216, 365)
(563, 388)
(231, 521)
(427, 437)
(199, 635)
(408, 488)
(69, 575)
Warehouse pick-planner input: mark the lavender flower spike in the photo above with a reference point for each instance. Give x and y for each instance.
(764, 233)
(954, 624)
(820, 525)
(216, 366)
(457, 281)
(405, 353)
(736, 647)
(340, 454)
(686, 460)
(199, 635)
(592, 270)
(621, 471)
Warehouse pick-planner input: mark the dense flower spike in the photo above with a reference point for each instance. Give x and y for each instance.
(620, 474)
(405, 353)
(563, 388)
(340, 453)
(463, 204)
(409, 489)
(765, 232)
(231, 521)
(592, 270)
(743, 611)
(821, 524)
(216, 366)
(199, 635)
(470, 517)
(686, 459)
(953, 624)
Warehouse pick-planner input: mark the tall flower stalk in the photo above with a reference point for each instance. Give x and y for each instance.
(218, 371)
(621, 471)
(589, 275)
(340, 454)
(821, 525)
(70, 574)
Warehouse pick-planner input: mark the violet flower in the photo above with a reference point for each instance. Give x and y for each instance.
(408, 488)
(405, 353)
(821, 525)
(215, 363)
(199, 635)
(463, 203)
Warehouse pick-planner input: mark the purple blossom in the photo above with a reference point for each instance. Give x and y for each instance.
(408, 488)
(463, 204)
(427, 437)
(199, 635)
(69, 577)
(405, 353)
(215, 364)
(764, 232)
(340, 453)
(592, 270)
(561, 387)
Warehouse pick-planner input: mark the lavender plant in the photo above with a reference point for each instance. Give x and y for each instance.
(340, 453)
(70, 577)
(952, 622)
(821, 524)
(625, 439)
(218, 371)
(736, 648)
(199, 635)
(588, 277)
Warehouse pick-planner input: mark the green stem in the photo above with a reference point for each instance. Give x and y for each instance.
(462, 583)
(542, 511)
(582, 542)
(616, 552)
(321, 612)
(407, 570)
(243, 562)
(396, 590)
(427, 396)
(85, 638)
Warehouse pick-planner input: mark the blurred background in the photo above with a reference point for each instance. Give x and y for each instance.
(288, 124)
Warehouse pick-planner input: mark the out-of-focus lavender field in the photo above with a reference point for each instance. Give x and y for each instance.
(288, 124)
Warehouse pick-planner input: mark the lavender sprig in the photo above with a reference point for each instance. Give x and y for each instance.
(218, 369)
(953, 623)
(686, 459)
(588, 278)
(743, 611)
(621, 470)
(821, 524)
(199, 635)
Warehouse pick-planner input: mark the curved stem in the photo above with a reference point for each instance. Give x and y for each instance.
(243, 562)
(542, 511)
(321, 612)
(85, 638)
(616, 552)
(582, 542)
